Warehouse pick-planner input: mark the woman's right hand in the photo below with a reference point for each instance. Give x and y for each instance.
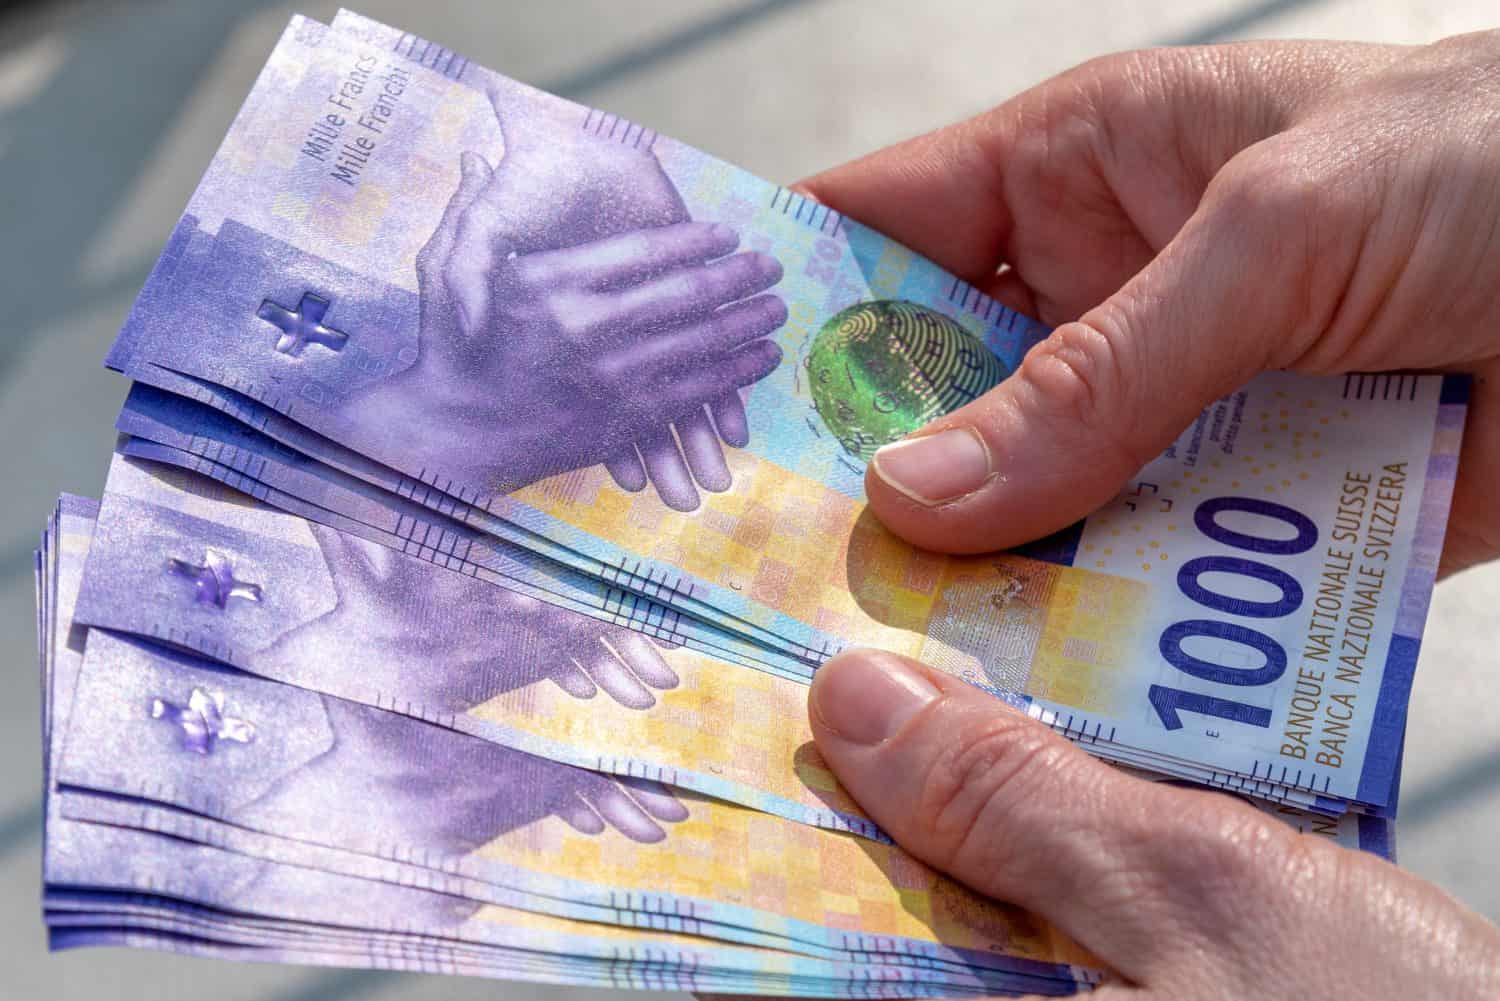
(1188, 218)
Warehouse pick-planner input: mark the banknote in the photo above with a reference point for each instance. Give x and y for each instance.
(826, 266)
(831, 340)
(397, 926)
(234, 905)
(266, 464)
(689, 721)
(1318, 727)
(184, 423)
(390, 522)
(250, 425)
(157, 727)
(304, 604)
(201, 417)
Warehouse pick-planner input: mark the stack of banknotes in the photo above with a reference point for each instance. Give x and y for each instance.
(490, 490)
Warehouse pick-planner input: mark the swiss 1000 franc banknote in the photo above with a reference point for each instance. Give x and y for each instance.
(858, 388)
(641, 328)
(163, 891)
(177, 559)
(265, 768)
(161, 491)
(494, 290)
(111, 884)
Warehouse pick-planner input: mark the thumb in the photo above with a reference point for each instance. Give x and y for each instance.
(1101, 396)
(998, 801)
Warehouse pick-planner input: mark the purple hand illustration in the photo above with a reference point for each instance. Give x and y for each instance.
(380, 782)
(563, 187)
(537, 364)
(426, 636)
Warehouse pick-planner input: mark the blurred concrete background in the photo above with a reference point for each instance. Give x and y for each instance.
(110, 111)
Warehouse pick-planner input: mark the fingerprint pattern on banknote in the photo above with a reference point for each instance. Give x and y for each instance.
(879, 370)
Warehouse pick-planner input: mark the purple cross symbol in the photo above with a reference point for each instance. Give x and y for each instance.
(302, 326)
(214, 582)
(203, 721)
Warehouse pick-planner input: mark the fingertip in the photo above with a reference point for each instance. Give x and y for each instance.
(944, 528)
(627, 471)
(678, 496)
(715, 481)
(647, 833)
(575, 682)
(863, 697)
(669, 809)
(756, 360)
(656, 799)
(937, 468)
(582, 819)
(723, 237)
(770, 268)
(730, 420)
(772, 312)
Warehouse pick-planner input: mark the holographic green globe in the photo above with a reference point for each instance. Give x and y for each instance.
(880, 370)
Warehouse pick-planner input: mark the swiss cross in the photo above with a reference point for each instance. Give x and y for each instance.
(302, 326)
(203, 721)
(214, 582)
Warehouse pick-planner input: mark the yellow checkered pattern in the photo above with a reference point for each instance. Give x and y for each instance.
(733, 855)
(735, 722)
(810, 552)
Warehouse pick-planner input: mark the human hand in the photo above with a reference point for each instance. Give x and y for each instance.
(564, 187)
(1188, 218)
(538, 364)
(1185, 894)
(445, 643)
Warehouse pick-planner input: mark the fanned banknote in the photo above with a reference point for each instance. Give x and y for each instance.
(234, 454)
(1250, 608)
(491, 491)
(177, 560)
(221, 892)
(180, 746)
(114, 884)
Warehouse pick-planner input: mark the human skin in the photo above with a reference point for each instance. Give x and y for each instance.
(1186, 218)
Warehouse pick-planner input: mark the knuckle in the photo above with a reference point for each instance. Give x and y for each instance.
(1273, 185)
(994, 770)
(1288, 204)
(1226, 853)
(1109, 70)
(1076, 377)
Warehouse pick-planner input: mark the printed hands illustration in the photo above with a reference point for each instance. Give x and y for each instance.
(448, 643)
(565, 260)
(378, 782)
(537, 364)
(563, 187)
